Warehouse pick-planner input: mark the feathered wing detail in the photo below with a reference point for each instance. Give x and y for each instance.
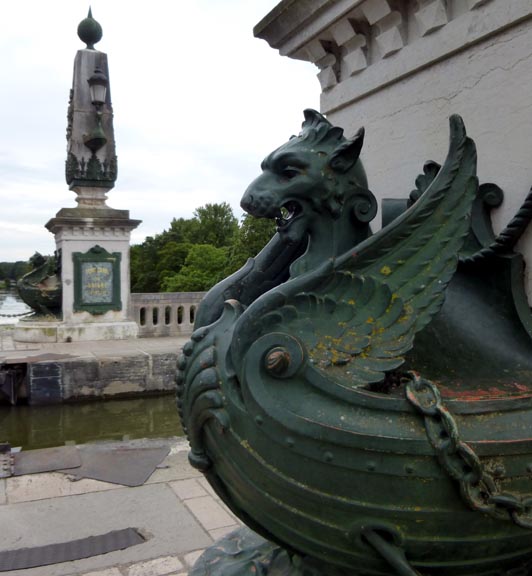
(357, 316)
(356, 329)
(417, 254)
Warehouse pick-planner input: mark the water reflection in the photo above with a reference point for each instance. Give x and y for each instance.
(10, 303)
(47, 426)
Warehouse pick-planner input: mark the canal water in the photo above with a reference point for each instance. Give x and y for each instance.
(10, 306)
(46, 426)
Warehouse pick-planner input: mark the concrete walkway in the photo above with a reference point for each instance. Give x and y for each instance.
(175, 508)
(9, 349)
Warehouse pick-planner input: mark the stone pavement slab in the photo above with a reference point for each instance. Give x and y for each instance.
(96, 349)
(165, 565)
(154, 510)
(50, 485)
(176, 509)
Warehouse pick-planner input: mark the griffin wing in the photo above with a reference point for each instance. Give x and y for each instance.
(358, 315)
(417, 254)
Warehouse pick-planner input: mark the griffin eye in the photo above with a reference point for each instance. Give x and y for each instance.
(289, 173)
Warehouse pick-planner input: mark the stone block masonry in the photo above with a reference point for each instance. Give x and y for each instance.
(62, 372)
(53, 382)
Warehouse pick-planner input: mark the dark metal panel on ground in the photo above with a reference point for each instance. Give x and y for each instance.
(46, 460)
(68, 551)
(127, 466)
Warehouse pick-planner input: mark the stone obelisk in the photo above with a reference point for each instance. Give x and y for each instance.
(92, 239)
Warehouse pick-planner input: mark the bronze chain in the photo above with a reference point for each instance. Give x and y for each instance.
(477, 487)
(16, 315)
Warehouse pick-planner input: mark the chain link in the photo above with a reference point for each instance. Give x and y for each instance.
(477, 486)
(16, 315)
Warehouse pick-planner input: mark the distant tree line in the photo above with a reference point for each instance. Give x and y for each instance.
(192, 255)
(10, 272)
(196, 253)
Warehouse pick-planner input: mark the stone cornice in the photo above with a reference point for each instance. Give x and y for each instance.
(91, 226)
(290, 22)
(361, 46)
(94, 213)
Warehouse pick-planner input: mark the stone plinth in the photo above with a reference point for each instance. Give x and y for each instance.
(402, 67)
(88, 311)
(57, 331)
(78, 230)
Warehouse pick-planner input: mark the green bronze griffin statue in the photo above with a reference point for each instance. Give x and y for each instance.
(41, 287)
(305, 404)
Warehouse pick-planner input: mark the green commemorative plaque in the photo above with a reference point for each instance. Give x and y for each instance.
(97, 281)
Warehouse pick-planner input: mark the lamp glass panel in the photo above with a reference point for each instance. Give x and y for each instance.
(98, 92)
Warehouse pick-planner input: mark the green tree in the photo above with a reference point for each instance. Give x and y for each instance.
(251, 237)
(183, 231)
(203, 268)
(170, 259)
(157, 262)
(20, 268)
(14, 270)
(217, 225)
(143, 265)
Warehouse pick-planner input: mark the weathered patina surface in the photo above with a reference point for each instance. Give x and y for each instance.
(364, 401)
(41, 287)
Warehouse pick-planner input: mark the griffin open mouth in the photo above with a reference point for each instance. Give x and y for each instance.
(288, 213)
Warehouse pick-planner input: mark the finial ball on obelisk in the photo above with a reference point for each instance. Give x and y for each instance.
(90, 31)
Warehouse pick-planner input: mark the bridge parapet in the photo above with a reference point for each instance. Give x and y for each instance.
(165, 313)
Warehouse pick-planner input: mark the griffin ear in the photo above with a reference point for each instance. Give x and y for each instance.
(313, 118)
(346, 155)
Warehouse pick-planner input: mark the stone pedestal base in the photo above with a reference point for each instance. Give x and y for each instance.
(56, 331)
(245, 553)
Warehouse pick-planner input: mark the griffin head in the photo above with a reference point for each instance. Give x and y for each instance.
(308, 180)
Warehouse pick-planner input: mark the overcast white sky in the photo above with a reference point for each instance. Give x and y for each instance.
(198, 102)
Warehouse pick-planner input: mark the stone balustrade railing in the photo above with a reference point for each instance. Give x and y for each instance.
(165, 313)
